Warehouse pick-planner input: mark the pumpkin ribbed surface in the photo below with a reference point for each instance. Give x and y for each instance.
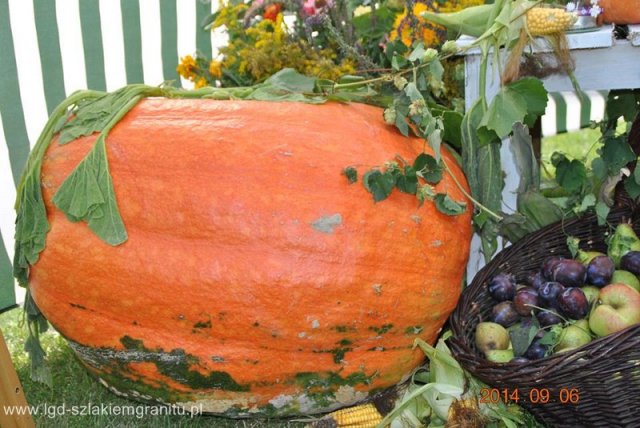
(255, 279)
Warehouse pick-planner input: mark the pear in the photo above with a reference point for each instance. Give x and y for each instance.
(574, 336)
(500, 355)
(591, 292)
(625, 277)
(490, 336)
(585, 257)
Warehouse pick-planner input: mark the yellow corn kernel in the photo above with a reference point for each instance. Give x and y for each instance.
(362, 416)
(542, 20)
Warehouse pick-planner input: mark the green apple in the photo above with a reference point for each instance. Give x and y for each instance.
(585, 257)
(619, 308)
(625, 277)
(592, 292)
(573, 336)
(490, 336)
(500, 355)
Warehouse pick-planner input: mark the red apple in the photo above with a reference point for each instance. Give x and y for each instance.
(618, 309)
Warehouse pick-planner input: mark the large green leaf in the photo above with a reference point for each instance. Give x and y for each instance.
(570, 174)
(513, 103)
(533, 91)
(286, 85)
(623, 103)
(290, 80)
(522, 334)
(452, 122)
(379, 184)
(87, 194)
(428, 167)
(616, 153)
(408, 182)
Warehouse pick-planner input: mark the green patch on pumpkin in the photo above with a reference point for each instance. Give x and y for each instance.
(202, 324)
(382, 329)
(178, 365)
(416, 329)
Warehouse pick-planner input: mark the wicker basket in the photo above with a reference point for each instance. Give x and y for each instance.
(597, 385)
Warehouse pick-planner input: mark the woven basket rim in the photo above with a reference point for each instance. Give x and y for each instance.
(533, 370)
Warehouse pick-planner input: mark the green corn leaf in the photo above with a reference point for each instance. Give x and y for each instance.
(491, 181)
(515, 226)
(538, 209)
(470, 143)
(490, 176)
(472, 21)
(443, 367)
(525, 160)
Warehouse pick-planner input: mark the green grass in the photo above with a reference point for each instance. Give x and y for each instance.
(72, 385)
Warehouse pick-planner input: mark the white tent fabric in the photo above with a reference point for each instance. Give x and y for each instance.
(51, 48)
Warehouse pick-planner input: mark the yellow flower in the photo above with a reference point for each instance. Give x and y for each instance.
(424, 30)
(407, 32)
(187, 67)
(455, 5)
(201, 82)
(215, 68)
(361, 10)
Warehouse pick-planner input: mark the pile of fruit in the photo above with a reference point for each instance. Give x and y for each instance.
(565, 304)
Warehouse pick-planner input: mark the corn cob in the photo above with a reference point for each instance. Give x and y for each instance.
(542, 21)
(362, 416)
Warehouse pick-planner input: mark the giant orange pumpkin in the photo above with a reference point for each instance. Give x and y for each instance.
(620, 11)
(255, 279)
